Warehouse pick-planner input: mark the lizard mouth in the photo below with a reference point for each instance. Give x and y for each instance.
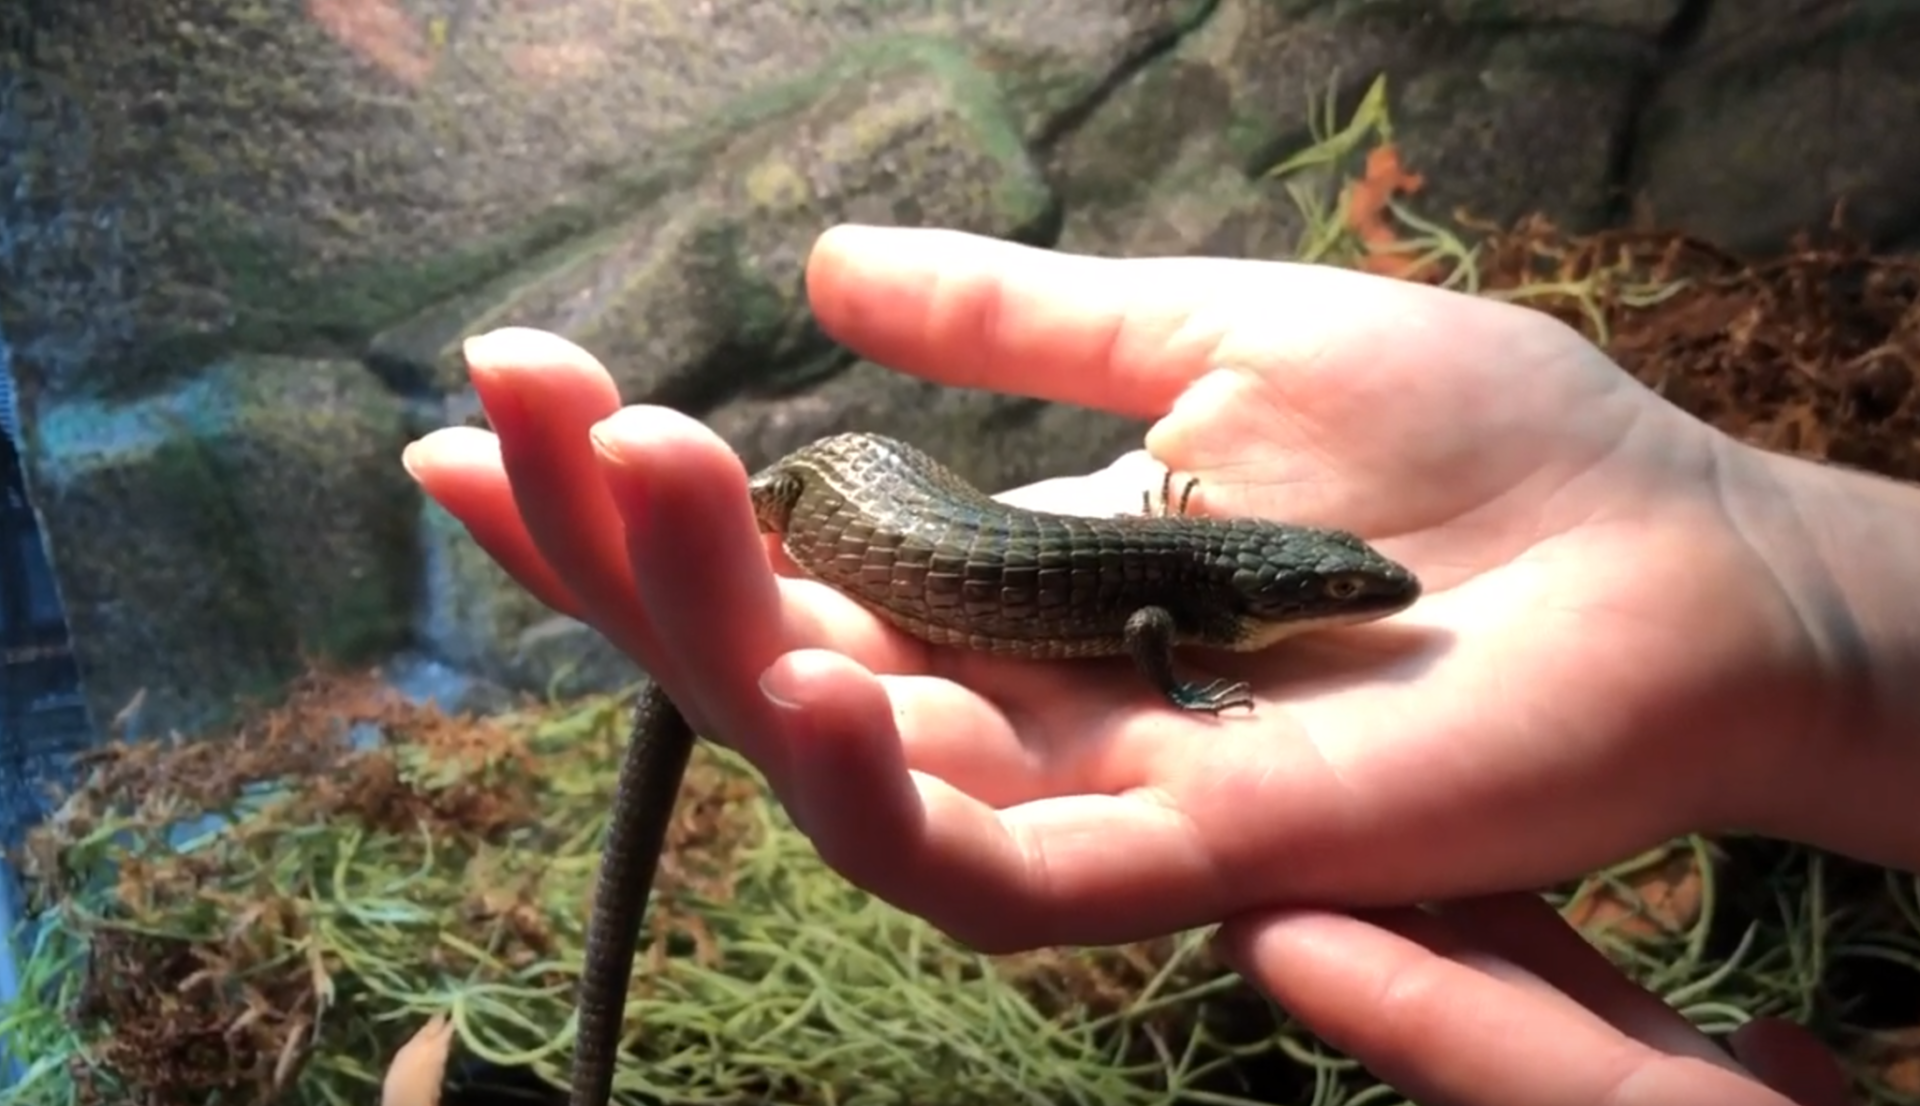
(1378, 602)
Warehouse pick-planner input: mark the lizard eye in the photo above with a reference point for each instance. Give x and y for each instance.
(1344, 587)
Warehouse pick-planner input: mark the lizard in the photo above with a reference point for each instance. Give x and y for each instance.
(921, 548)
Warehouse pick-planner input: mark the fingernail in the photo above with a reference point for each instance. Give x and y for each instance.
(505, 408)
(600, 437)
(627, 425)
(769, 687)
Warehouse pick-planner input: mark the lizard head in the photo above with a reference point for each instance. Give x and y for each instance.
(1289, 579)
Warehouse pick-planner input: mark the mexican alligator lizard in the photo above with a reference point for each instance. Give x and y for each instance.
(921, 548)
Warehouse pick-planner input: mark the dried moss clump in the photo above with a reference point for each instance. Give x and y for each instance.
(1814, 351)
(197, 906)
(332, 894)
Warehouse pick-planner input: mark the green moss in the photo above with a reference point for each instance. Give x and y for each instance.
(279, 306)
(776, 980)
(186, 606)
(273, 523)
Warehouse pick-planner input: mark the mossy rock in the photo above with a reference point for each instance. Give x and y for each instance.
(207, 538)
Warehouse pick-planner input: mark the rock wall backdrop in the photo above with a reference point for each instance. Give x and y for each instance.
(240, 241)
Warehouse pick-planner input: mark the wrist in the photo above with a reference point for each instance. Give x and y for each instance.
(1844, 547)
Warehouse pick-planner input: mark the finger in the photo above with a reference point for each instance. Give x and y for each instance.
(1039, 873)
(1525, 930)
(717, 613)
(460, 468)
(1791, 1061)
(1444, 1026)
(908, 838)
(543, 395)
(1120, 335)
(962, 738)
(841, 767)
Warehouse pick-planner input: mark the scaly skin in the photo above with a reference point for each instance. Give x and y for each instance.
(919, 547)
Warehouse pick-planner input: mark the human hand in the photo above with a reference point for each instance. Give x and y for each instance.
(1602, 659)
(1498, 1002)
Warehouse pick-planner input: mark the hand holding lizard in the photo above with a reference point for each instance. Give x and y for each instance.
(1634, 626)
(1625, 633)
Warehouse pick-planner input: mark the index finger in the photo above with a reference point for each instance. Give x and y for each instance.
(1120, 335)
